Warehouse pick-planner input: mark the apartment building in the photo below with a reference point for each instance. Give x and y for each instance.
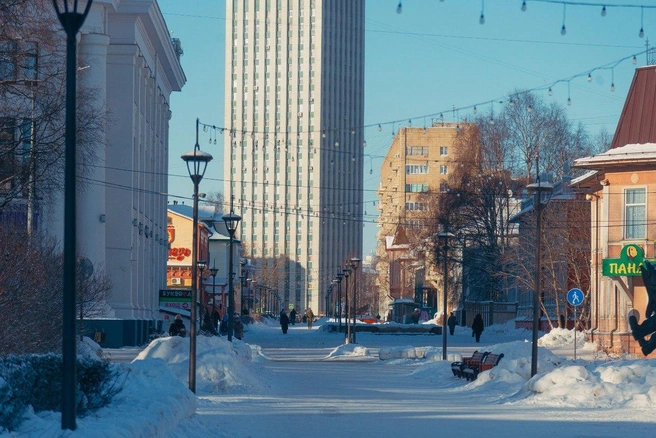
(418, 163)
(294, 138)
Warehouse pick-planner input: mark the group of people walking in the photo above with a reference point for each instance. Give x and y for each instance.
(285, 320)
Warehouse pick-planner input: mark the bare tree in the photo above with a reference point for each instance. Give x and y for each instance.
(32, 107)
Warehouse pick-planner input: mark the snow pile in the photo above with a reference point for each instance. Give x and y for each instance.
(564, 338)
(220, 365)
(349, 351)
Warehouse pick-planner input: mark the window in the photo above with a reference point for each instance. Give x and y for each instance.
(416, 188)
(415, 169)
(444, 151)
(635, 213)
(8, 52)
(415, 206)
(416, 150)
(444, 170)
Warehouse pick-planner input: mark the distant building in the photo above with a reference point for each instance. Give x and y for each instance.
(417, 164)
(294, 117)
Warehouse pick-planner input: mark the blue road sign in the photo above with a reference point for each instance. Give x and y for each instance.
(575, 297)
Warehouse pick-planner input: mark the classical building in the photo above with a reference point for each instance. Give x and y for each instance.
(621, 188)
(128, 66)
(294, 137)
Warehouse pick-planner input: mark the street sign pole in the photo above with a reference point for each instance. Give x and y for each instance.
(575, 298)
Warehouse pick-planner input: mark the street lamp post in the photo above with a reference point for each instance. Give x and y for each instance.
(445, 247)
(201, 297)
(242, 282)
(347, 272)
(355, 261)
(71, 20)
(213, 272)
(196, 161)
(231, 220)
(340, 275)
(538, 188)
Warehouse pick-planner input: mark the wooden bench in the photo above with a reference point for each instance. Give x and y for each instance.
(474, 360)
(489, 361)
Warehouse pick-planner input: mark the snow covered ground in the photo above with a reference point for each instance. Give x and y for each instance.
(309, 382)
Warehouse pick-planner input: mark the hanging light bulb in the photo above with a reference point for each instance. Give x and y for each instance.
(380, 128)
(550, 92)
(641, 34)
(410, 123)
(634, 61)
(336, 144)
(353, 158)
(352, 131)
(603, 11)
(364, 144)
(482, 19)
(612, 86)
(323, 134)
(563, 31)
(569, 101)
(529, 109)
(524, 6)
(589, 79)
(424, 129)
(399, 8)
(475, 110)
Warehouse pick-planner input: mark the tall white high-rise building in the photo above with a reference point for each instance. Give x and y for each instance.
(294, 139)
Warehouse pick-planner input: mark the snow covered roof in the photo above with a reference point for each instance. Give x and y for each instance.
(631, 154)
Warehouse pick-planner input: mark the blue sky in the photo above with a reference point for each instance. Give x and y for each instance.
(431, 58)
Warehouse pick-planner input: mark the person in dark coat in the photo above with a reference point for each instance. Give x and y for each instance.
(292, 316)
(451, 322)
(238, 326)
(177, 328)
(477, 327)
(284, 321)
(415, 315)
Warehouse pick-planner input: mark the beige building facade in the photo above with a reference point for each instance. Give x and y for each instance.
(294, 116)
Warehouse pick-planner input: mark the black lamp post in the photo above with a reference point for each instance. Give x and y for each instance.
(355, 262)
(538, 188)
(347, 272)
(340, 275)
(242, 279)
(196, 165)
(445, 247)
(213, 272)
(71, 20)
(231, 220)
(201, 297)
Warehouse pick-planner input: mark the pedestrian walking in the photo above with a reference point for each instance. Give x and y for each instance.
(238, 326)
(415, 315)
(292, 316)
(477, 327)
(451, 322)
(309, 315)
(284, 321)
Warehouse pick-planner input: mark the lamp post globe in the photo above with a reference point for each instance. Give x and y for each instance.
(196, 161)
(231, 221)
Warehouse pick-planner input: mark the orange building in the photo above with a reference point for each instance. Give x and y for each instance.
(178, 271)
(621, 186)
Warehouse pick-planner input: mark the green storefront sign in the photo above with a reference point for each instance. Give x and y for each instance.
(629, 263)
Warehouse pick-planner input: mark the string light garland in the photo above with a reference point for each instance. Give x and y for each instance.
(563, 29)
(215, 130)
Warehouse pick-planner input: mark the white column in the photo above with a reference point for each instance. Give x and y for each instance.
(91, 208)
